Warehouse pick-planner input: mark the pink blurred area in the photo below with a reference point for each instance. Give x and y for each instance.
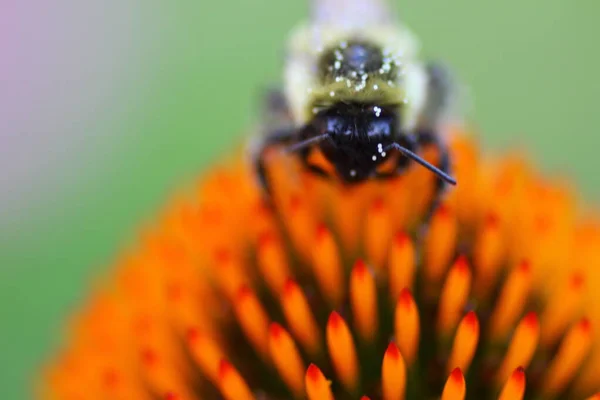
(68, 71)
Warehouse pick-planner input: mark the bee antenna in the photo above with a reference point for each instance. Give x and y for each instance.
(306, 143)
(415, 157)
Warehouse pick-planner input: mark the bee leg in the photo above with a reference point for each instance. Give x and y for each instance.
(430, 138)
(277, 138)
(277, 130)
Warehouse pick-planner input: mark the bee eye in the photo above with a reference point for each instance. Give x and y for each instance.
(380, 127)
(335, 125)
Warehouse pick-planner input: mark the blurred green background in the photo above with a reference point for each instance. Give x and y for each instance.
(110, 106)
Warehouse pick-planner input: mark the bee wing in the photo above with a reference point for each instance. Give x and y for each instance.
(351, 13)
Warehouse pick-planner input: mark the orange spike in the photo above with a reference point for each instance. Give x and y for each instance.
(570, 356)
(511, 300)
(422, 183)
(562, 309)
(115, 385)
(327, 266)
(206, 352)
(465, 343)
(314, 189)
(393, 374)
(399, 204)
(455, 388)
(300, 220)
(300, 318)
(401, 264)
(182, 295)
(317, 387)
(440, 243)
(522, 346)
(363, 298)
(467, 171)
(514, 388)
(348, 215)
(589, 376)
(230, 274)
(286, 358)
(406, 326)
(342, 351)
(231, 383)
(454, 296)
(378, 232)
(272, 262)
(262, 219)
(594, 397)
(253, 319)
(487, 255)
(159, 369)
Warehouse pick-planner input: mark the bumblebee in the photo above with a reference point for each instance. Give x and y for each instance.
(355, 91)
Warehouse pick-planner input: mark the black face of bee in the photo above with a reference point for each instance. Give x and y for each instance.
(357, 137)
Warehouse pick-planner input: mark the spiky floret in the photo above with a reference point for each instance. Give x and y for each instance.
(336, 295)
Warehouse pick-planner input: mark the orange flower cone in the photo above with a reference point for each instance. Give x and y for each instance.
(338, 293)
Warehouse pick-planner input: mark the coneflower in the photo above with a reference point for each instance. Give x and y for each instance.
(335, 292)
